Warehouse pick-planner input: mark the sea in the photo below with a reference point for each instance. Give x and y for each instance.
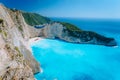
(67, 61)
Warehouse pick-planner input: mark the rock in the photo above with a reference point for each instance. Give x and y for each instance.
(68, 32)
(58, 31)
(16, 60)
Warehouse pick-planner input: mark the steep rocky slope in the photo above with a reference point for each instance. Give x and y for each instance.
(35, 19)
(59, 31)
(16, 60)
(70, 33)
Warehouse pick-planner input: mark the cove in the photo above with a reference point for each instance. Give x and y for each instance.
(67, 61)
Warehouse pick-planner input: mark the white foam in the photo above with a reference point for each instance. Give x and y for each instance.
(35, 79)
(41, 70)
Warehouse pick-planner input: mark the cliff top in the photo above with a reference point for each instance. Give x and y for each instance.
(35, 19)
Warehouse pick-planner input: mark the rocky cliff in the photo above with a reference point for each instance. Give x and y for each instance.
(16, 60)
(62, 32)
(66, 31)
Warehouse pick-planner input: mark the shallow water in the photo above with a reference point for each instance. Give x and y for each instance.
(67, 61)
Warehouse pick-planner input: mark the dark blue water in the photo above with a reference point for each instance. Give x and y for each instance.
(67, 61)
(97, 25)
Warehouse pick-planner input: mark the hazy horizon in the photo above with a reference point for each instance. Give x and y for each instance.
(103, 9)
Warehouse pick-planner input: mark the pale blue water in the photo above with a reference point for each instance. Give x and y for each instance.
(67, 61)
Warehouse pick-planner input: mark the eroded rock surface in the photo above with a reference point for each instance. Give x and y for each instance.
(16, 60)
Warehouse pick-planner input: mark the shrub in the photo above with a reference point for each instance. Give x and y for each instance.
(19, 53)
(70, 27)
(1, 20)
(4, 34)
(20, 28)
(17, 49)
(0, 31)
(35, 19)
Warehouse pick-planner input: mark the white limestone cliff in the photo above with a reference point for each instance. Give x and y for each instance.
(16, 60)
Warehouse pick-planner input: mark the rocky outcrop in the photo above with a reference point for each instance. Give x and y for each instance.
(58, 31)
(68, 32)
(16, 60)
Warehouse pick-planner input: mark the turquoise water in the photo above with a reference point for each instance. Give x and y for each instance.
(66, 61)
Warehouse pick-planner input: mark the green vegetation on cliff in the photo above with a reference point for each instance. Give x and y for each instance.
(71, 27)
(84, 35)
(1, 20)
(70, 30)
(34, 18)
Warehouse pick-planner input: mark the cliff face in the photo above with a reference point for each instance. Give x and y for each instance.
(68, 32)
(16, 60)
(61, 32)
(57, 30)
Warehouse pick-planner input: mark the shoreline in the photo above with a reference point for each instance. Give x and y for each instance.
(32, 40)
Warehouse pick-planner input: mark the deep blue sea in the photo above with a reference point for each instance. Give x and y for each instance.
(66, 61)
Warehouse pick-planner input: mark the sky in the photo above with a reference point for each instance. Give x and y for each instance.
(69, 8)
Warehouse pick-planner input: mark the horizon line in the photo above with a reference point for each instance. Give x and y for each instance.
(82, 17)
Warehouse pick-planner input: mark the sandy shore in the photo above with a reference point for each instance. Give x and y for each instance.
(32, 40)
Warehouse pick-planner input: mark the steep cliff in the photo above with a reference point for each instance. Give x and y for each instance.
(16, 60)
(68, 32)
(34, 18)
